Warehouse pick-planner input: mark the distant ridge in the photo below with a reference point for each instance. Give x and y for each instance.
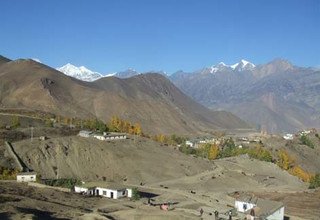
(276, 96)
(4, 60)
(150, 99)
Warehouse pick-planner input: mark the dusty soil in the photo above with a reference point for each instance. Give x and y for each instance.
(305, 205)
(134, 160)
(190, 183)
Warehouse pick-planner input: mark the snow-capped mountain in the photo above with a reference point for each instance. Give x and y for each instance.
(243, 65)
(81, 73)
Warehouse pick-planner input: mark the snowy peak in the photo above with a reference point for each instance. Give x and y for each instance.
(81, 73)
(219, 67)
(243, 65)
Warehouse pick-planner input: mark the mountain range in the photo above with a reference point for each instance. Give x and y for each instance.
(274, 97)
(84, 74)
(150, 99)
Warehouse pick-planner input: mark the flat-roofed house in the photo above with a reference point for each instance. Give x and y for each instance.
(111, 191)
(256, 208)
(85, 133)
(27, 177)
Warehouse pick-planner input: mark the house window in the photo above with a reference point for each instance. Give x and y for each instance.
(104, 193)
(31, 177)
(244, 207)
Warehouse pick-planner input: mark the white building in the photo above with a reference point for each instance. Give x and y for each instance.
(84, 133)
(257, 208)
(27, 177)
(105, 190)
(189, 144)
(115, 136)
(288, 136)
(110, 136)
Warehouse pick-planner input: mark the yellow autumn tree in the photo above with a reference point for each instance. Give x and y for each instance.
(137, 129)
(301, 173)
(285, 161)
(213, 152)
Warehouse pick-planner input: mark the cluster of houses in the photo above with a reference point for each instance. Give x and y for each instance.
(94, 189)
(105, 136)
(249, 205)
(300, 133)
(195, 143)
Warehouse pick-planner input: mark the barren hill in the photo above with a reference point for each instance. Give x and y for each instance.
(150, 99)
(136, 159)
(4, 60)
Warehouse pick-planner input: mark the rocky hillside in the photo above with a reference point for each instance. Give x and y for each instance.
(275, 97)
(149, 99)
(136, 159)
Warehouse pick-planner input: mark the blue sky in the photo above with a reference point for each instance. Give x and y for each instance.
(169, 35)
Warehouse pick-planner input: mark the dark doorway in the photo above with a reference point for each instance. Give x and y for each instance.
(111, 195)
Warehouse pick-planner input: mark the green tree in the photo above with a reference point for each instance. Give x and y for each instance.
(315, 181)
(306, 141)
(49, 123)
(15, 122)
(135, 194)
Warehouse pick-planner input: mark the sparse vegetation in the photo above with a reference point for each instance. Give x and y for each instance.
(169, 140)
(306, 141)
(8, 174)
(315, 181)
(187, 150)
(15, 122)
(65, 183)
(135, 194)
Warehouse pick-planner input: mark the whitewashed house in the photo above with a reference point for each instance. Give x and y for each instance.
(257, 208)
(99, 137)
(288, 136)
(27, 177)
(110, 136)
(85, 133)
(189, 144)
(105, 190)
(115, 136)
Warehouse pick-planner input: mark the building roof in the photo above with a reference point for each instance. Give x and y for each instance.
(247, 198)
(85, 132)
(267, 207)
(105, 185)
(263, 208)
(27, 173)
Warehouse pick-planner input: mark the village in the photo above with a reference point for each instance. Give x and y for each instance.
(244, 205)
(225, 184)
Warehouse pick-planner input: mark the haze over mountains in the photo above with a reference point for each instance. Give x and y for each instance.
(273, 97)
(150, 99)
